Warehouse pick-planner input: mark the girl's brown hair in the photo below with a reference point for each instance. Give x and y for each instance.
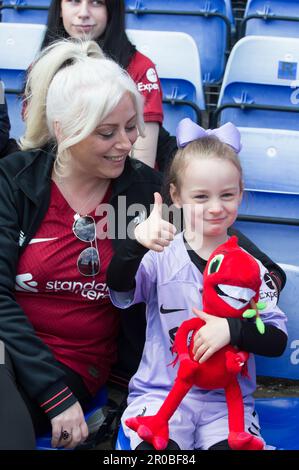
(206, 147)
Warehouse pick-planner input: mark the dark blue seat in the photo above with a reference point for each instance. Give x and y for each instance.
(25, 11)
(205, 21)
(279, 419)
(93, 417)
(271, 18)
(122, 443)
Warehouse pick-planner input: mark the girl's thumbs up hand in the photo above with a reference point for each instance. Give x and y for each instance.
(155, 233)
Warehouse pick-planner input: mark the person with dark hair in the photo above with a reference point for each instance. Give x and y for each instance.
(104, 22)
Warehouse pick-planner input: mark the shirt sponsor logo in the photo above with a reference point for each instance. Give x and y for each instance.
(40, 240)
(89, 290)
(22, 238)
(147, 87)
(170, 310)
(151, 75)
(25, 283)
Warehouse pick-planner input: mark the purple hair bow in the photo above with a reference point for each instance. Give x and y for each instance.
(187, 131)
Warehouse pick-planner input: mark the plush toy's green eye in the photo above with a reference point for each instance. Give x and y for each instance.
(215, 264)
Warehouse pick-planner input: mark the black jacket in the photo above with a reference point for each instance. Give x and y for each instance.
(25, 179)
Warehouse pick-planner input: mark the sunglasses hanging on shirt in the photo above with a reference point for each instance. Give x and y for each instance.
(84, 228)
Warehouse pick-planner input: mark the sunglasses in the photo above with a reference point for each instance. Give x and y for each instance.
(84, 228)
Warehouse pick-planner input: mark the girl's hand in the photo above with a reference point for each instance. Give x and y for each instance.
(155, 233)
(69, 427)
(211, 337)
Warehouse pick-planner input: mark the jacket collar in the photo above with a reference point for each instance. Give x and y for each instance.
(34, 177)
(177, 257)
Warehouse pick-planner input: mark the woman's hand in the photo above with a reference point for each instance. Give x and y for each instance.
(69, 427)
(155, 233)
(211, 337)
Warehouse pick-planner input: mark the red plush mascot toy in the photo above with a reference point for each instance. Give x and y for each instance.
(231, 284)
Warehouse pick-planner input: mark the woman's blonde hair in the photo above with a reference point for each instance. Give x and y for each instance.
(206, 147)
(74, 85)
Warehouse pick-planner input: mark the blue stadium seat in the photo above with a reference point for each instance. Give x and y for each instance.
(180, 73)
(122, 443)
(279, 421)
(205, 21)
(229, 11)
(279, 417)
(92, 417)
(25, 11)
(271, 18)
(280, 241)
(14, 62)
(260, 84)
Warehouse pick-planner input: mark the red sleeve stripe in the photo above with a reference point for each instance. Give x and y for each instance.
(55, 396)
(58, 403)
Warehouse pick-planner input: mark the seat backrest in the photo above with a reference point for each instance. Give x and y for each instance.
(262, 71)
(270, 160)
(15, 58)
(229, 11)
(209, 32)
(287, 365)
(175, 55)
(29, 11)
(272, 26)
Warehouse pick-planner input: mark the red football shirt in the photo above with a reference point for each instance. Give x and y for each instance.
(71, 313)
(142, 70)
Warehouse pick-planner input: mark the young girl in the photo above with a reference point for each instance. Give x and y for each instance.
(206, 183)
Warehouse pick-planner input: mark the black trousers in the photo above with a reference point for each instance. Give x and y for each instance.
(172, 445)
(21, 419)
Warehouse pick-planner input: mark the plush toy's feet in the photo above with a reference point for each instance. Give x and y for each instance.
(150, 429)
(244, 441)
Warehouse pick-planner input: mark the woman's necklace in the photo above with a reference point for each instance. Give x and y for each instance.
(93, 200)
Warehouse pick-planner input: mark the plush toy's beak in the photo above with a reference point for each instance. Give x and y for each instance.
(236, 297)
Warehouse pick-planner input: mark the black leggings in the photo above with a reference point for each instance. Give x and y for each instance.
(172, 445)
(21, 419)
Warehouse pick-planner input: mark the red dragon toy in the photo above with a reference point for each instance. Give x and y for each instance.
(231, 283)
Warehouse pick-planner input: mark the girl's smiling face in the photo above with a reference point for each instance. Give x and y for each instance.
(209, 194)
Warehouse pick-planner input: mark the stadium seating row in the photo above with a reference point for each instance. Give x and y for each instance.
(208, 22)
